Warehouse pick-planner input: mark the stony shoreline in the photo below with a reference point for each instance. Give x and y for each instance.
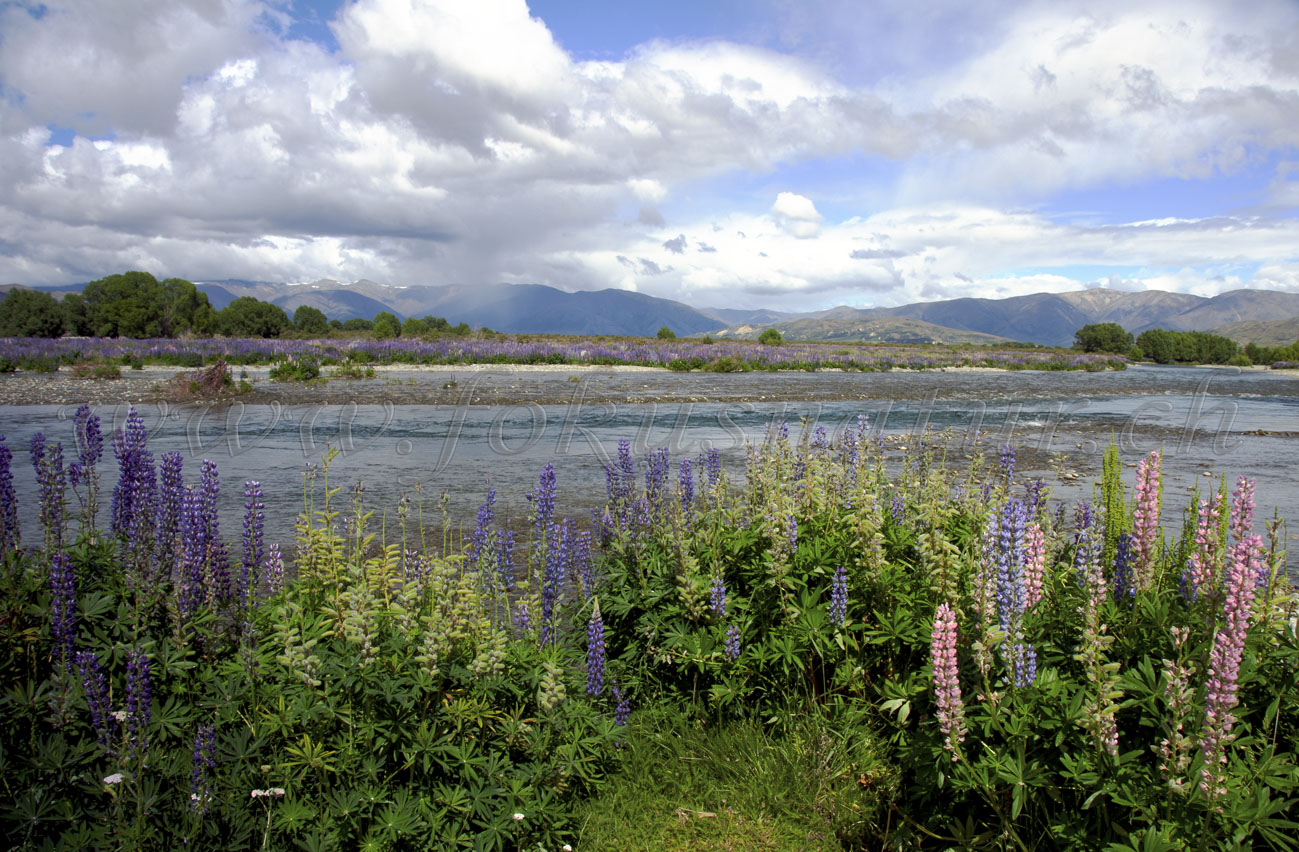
(463, 384)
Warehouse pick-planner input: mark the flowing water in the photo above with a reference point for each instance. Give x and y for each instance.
(449, 433)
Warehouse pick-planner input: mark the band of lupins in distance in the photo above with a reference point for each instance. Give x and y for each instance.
(722, 356)
(1080, 678)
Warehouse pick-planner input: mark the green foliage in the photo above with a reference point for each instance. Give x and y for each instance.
(1103, 337)
(414, 327)
(393, 696)
(357, 324)
(135, 304)
(250, 317)
(771, 337)
(30, 313)
(385, 326)
(295, 370)
(666, 333)
(1272, 354)
(310, 320)
(1197, 347)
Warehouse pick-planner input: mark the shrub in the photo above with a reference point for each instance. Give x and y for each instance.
(296, 370)
(771, 337)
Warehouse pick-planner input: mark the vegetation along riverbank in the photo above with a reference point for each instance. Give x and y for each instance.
(807, 653)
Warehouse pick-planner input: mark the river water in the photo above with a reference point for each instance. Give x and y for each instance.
(436, 433)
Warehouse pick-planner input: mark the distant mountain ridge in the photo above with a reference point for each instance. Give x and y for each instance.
(1043, 318)
(1052, 318)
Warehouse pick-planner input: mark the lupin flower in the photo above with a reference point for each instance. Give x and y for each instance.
(622, 706)
(216, 564)
(9, 531)
(898, 510)
(595, 652)
(1125, 587)
(791, 532)
(47, 460)
(583, 570)
(1004, 559)
(63, 608)
(733, 642)
(203, 762)
(171, 495)
(1220, 691)
(686, 491)
(139, 699)
(1007, 463)
(1248, 547)
(839, 596)
(717, 596)
(712, 461)
(505, 559)
(274, 566)
(1242, 509)
(95, 687)
(90, 449)
(1034, 561)
(1202, 566)
(558, 557)
(253, 538)
(656, 482)
(1176, 747)
(135, 466)
(543, 502)
(1145, 521)
(947, 684)
(1033, 497)
(480, 538)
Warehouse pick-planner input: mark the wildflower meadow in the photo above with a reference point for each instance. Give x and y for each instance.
(828, 649)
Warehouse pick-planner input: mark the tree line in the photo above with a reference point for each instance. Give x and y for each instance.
(1164, 346)
(136, 304)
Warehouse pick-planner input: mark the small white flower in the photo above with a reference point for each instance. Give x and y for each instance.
(518, 817)
(566, 848)
(119, 715)
(115, 778)
(275, 791)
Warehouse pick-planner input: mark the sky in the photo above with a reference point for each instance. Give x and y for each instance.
(788, 154)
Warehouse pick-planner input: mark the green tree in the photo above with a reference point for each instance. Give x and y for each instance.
(135, 304)
(357, 324)
(1103, 337)
(124, 305)
(771, 337)
(76, 321)
(309, 320)
(185, 309)
(250, 317)
(413, 327)
(386, 326)
(666, 333)
(1158, 345)
(30, 313)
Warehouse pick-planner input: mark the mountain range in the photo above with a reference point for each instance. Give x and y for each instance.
(1269, 317)
(1044, 318)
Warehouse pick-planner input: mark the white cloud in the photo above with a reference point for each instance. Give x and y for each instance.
(797, 215)
(457, 142)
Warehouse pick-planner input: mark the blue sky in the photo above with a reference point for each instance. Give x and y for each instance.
(793, 155)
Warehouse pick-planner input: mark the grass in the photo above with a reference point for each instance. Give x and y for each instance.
(792, 785)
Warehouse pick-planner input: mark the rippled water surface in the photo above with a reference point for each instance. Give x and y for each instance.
(450, 432)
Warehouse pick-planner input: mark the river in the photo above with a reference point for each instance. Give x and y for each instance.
(450, 432)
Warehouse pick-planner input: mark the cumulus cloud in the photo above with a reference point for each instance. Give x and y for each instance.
(797, 215)
(451, 142)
